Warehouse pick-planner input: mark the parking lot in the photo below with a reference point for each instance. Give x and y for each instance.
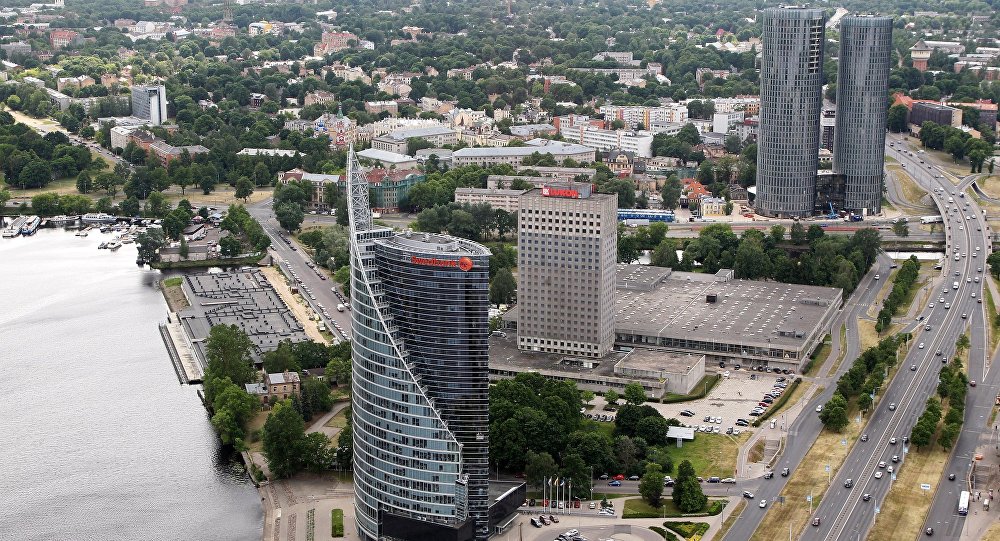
(731, 399)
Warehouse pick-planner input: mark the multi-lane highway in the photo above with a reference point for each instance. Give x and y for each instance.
(844, 513)
(804, 430)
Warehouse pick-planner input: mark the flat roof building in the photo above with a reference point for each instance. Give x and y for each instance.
(515, 155)
(567, 249)
(149, 102)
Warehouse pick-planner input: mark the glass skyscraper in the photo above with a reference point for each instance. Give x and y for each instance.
(862, 90)
(791, 99)
(420, 331)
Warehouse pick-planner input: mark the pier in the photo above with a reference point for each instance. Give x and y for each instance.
(181, 353)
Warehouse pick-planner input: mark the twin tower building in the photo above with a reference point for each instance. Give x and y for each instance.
(791, 102)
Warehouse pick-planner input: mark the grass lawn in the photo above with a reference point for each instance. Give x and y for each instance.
(866, 331)
(337, 525)
(990, 186)
(224, 194)
(339, 420)
(640, 508)
(710, 454)
(903, 511)
(993, 534)
(911, 192)
(843, 350)
(809, 478)
(991, 316)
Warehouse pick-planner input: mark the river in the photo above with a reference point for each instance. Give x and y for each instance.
(99, 439)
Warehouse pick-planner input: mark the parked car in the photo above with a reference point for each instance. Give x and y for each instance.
(614, 483)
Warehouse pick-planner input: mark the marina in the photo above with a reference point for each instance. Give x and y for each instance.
(14, 229)
(31, 224)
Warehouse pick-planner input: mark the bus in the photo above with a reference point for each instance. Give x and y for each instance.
(931, 220)
(963, 503)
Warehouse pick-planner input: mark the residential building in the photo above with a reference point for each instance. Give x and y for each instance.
(376, 107)
(16, 48)
(620, 162)
(257, 100)
(388, 188)
(396, 141)
(724, 122)
(62, 38)
(704, 74)
(264, 27)
(83, 81)
(639, 143)
(748, 104)
(791, 97)
(514, 155)
(935, 112)
(495, 197)
(420, 379)
(388, 159)
(283, 385)
(566, 257)
(120, 134)
(149, 102)
(318, 182)
(827, 126)
(332, 42)
(530, 131)
(267, 152)
(712, 206)
(623, 58)
(319, 96)
(633, 115)
(167, 153)
(862, 86)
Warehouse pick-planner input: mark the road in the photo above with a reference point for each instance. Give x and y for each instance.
(295, 260)
(843, 511)
(804, 430)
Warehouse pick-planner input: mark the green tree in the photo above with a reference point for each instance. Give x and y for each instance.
(777, 234)
(283, 437)
(688, 496)
(503, 287)
(228, 350)
(4, 197)
(671, 192)
(233, 408)
(281, 359)
(316, 398)
(949, 434)
(345, 444)
(230, 246)
(538, 467)
(900, 228)
(834, 414)
(157, 205)
(664, 255)
(36, 174)
(651, 484)
(635, 394)
(289, 216)
(896, 121)
(611, 397)
(752, 262)
(994, 262)
(244, 188)
(798, 233)
(339, 370)
(84, 183)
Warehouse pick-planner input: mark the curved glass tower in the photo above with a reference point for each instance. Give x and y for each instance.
(791, 99)
(420, 331)
(862, 87)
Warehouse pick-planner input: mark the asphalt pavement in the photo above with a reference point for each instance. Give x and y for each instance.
(843, 511)
(292, 258)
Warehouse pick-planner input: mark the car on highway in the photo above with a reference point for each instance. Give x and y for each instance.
(913, 368)
(892, 406)
(768, 474)
(816, 521)
(947, 306)
(877, 276)
(866, 497)
(889, 469)
(763, 504)
(878, 474)
(892, 440)
(784, 472)
(748, 494)
(937, 353)
(931, 305)
(921, 346)
(972, 383)
(849, 483)
(864, 437)
(819, 408)
(941, 299)
(951, 476)
(964, 316)
(929, 531)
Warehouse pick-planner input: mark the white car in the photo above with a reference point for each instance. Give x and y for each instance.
(763, 504)
(878, 475)
(819, 408)
(921, 346)
(931, 305)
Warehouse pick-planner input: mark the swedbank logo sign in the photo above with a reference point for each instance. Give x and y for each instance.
(463, 263)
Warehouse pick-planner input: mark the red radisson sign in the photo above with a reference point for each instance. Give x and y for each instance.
(560, 192)
(463, 263)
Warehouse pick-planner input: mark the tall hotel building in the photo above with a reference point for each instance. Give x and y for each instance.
(420, 331)
(791, 98)
(567, 250)
(862, 90)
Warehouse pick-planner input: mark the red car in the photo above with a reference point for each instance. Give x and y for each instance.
(619, 477)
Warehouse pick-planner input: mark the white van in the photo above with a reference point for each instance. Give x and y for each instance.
(954, 285)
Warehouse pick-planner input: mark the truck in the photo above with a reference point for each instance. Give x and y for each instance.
(931, 219)
(954, 285)
(963, 503)
(852, 217)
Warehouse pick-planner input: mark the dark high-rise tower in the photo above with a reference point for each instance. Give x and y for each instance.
(420, 381)
(791, 98)
(862, 91)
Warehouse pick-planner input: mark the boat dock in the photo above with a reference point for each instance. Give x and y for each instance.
(181, 352)
(14, 229)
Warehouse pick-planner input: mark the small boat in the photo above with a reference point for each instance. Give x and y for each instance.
(102, 246)
(127, 240)
(98, 218)
(83, 232)
(63, 219)
(114, 245)
(15, 227)
(30, 225)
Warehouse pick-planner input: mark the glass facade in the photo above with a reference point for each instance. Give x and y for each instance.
(420, 333)
(791, 98)
(862, 87)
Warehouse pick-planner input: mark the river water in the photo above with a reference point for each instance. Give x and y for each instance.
(98, 439)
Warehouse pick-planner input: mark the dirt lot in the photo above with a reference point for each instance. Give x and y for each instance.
(298, 306)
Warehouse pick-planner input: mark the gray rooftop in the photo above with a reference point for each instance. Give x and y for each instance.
(433, 243)
(384, 156)
(430, 131)
(555, 150)
(749, 312)
(243, 298)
